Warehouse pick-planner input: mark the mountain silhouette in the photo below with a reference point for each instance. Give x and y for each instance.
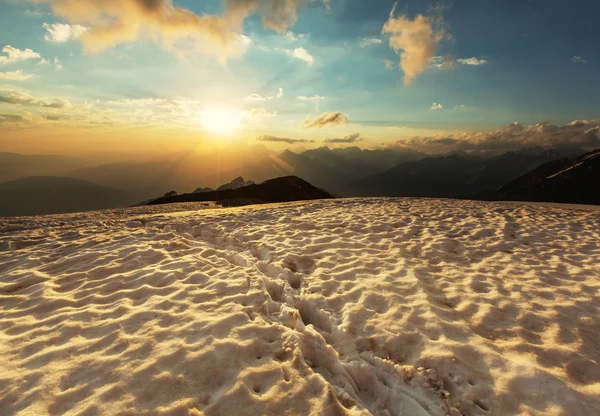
(284, 189)
(40, 195)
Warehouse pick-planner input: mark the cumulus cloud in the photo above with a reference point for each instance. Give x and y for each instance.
(471, 61)
(280, 93)
(63, 32)
(114, 22)
(302, 54)
(18, 75)
(364, 42)
(353, 138)
(416, 41)
(17, 55)
(326, 120)
(581, 133)
(287, 140)
(579, 60)
(436, 106)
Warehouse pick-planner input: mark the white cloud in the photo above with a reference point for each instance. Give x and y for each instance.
(313, 98)
(436, 106)
(579, 60)
(295, 37)
(364, 42)
(302, 54)
(255, 97)
(416, 42)
(280, 93)
(472, 61)
(17, 55)
(388, 64)
(18, 75)
(63, 32)
(57, 64)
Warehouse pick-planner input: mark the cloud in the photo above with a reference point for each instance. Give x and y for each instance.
(55, 117)
(302, 54)
(364, 42)
(17, 55)
(579, 60)
(261, 112)
(295, 37)
(63, 32)
(274, 139)
(416, 42)
(436, 106)
(16, 97)
(115, 22)
(55, 103)
(472, 61)
(14, 118)
(388, 64)
(326, 120)
(581, 133)
(18, 75)
(255, 97)
(353, 138)
(313, 98)
(440, 62)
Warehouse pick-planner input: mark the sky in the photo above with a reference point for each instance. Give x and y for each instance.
(139, 75)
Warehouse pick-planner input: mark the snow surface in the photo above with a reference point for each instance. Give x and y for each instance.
(363, 306)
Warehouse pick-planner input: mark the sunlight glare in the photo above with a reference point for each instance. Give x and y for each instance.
(221, 120)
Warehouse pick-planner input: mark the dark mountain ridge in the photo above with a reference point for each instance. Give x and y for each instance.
(284, 189)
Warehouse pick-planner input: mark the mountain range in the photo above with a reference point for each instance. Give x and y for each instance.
(345, 172)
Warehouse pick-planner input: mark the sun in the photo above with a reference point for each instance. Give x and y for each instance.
(221, 120)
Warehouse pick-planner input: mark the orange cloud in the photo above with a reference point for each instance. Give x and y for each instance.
(326, 120)
(113, 22)
(416, 42)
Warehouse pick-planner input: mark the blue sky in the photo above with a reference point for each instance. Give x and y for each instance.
(499, 62)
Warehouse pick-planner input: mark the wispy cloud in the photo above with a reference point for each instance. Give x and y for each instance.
(274, 139)
(416, 41)
(472, 61)
(364, 42)
(18, 75)
(388, 64)
(353, 138)
(255, 97)
(326, 120)
(17, 55)
(579, 60)
(63, 32)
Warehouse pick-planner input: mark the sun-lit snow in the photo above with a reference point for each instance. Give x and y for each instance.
(372, 306)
